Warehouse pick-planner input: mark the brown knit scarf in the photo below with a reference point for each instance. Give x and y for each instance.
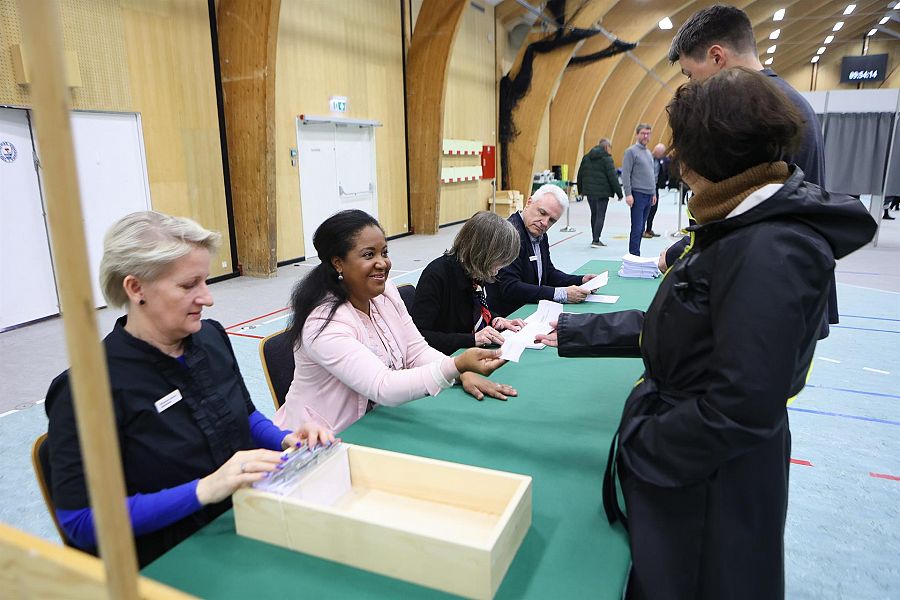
(719, 199)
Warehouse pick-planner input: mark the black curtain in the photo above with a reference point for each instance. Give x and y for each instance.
(893, 169)
(856, 150)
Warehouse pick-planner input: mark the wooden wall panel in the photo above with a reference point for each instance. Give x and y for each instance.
(153, 57)
(829, 77)
(470, 108)
(351, 48)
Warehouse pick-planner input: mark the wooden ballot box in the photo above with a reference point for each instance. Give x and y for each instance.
(442, 525)
(508, 202)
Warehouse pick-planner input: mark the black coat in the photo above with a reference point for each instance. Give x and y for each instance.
(703, 447)
(187, 441)
(597, 175)
(517, 284)
(444, 306)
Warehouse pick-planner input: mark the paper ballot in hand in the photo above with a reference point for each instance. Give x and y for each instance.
(597, 282)
(536, 323)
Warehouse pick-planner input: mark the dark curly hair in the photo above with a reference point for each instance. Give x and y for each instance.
(732, 121)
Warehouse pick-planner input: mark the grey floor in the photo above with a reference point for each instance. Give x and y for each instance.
(843, 531)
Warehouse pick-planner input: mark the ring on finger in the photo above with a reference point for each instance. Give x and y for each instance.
(243, 465)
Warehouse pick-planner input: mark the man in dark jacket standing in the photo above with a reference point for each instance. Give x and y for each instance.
(598, 180)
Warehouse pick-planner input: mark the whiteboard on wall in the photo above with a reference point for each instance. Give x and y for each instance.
(112, 177)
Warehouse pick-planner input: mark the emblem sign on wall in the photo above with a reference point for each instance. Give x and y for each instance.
(8, 152)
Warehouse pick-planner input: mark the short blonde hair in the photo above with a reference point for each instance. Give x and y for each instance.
(144, 245)
(485, 241)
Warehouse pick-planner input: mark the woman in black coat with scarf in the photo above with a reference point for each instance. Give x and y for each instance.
(702, 452)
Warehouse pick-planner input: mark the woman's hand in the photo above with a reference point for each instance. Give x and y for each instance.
(488, 336)
(549, 339)
(310, 433)
(242, 469)
(479, 360)
(501, 324)
(478, 387)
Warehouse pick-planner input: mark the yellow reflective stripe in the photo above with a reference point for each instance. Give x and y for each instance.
(638, 382)
(808, 375)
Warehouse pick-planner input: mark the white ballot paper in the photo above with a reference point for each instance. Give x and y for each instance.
(601, 299)
(597, 282)
(536, 323)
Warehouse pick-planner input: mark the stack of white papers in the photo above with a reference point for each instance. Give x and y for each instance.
(639, 267)
(536, 323)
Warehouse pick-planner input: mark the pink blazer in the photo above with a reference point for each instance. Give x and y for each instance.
(336, 374)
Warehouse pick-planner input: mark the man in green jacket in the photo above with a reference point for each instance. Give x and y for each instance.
(598, 180)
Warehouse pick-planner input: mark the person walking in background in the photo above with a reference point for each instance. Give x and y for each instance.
(661, 166)
(639, 182)
(598, 180)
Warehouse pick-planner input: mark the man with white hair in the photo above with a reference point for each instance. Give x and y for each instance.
(532, 276)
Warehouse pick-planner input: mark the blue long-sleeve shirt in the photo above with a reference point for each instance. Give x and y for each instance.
(150, 512)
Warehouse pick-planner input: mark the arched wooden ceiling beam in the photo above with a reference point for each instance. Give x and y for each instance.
(427, 66)
(803, 31)
(629, 20)
(528, 113)
(640, 87)
(248, 36)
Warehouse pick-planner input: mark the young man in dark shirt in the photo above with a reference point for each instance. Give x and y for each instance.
(719, 37)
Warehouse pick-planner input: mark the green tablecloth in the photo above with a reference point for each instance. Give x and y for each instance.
(557, 430)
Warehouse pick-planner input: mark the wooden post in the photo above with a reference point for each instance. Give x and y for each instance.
(427, 68)
(42, 37)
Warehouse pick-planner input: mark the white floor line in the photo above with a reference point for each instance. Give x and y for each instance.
(870, 370)
(862, 287)
(41, 401)
(285, 316)
(831, 360)
(7, 413)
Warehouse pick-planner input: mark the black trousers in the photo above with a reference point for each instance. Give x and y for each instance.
(598, 215)
(652, 213)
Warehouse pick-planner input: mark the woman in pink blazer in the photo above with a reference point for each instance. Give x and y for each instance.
(355, 345)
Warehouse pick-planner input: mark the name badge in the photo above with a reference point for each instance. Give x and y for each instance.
(167, 401)
(532, 258)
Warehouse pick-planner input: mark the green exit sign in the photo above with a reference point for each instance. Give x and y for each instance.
(338, 104)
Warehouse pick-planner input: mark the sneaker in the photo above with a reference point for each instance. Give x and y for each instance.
(597, 244)
(647, 235)
(653, 233)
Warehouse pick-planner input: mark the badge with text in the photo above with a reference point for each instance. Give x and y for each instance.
(8, 152)
(168, 400)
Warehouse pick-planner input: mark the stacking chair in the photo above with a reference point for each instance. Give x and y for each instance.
(40, 462)
(277, 357)
(408, 294)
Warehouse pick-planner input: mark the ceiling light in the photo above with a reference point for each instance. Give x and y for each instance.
(779, 15)
(829, 39)
(850, 8)
(871, 32)
(770, 49)
(768, 61)
(666, 23)
(837, 26)
(884, 20)
(774, 35)
(821, 50)
(814, 59)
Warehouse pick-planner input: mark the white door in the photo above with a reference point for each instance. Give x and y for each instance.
(354, 154)
(27, 286)
(112, 177)
(337, 172)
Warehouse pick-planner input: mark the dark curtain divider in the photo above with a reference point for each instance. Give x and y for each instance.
(893, 173)
(856, 148)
